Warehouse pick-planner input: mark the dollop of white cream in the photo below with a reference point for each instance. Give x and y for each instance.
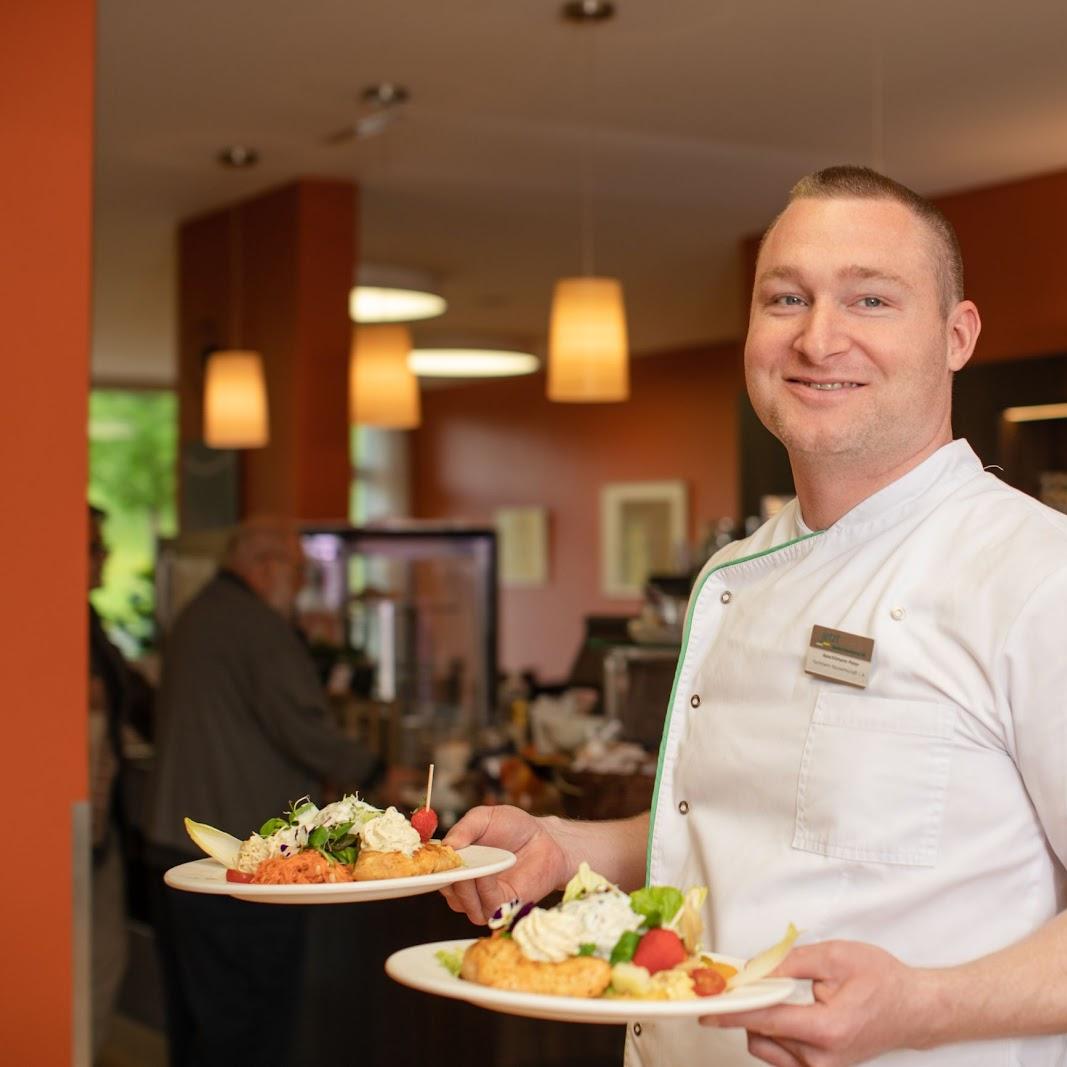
(604, 917)
(548, 935)
(390, 832)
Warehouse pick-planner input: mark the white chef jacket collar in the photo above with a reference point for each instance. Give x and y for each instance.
(954, 462)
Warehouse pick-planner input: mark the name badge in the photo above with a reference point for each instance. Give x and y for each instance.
(839, 657)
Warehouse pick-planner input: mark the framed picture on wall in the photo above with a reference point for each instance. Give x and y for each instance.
(642, 531)
(522, 542)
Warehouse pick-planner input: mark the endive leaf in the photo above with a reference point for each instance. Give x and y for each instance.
(762, 964)
(218, 844)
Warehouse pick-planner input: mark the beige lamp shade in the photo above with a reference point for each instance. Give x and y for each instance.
(235, 400)
(587, 352)
(382, 389)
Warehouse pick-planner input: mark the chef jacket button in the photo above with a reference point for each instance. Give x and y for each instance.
(637, 1029)
(726, 597)
(897, 613)
(694, 700)
(683, 807)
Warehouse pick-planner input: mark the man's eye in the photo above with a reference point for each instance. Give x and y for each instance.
(789, 300)
(872, 302)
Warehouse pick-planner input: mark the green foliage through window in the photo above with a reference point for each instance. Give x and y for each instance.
(133, 437)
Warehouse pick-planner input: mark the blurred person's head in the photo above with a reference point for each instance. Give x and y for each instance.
(98, 551)
(266, 553)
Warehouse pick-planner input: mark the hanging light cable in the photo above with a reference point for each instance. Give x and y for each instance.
(588, 357)
(235, 389)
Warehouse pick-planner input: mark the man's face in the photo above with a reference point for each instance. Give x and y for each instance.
(849, 353)
(283, 575)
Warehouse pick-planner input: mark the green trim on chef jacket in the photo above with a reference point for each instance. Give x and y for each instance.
(677, 674)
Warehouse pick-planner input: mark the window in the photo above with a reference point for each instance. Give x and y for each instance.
(133, 437)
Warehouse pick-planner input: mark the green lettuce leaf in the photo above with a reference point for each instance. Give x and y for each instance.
(657, 903)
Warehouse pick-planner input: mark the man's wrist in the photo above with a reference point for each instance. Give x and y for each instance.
(930, 1008)
(561, 831)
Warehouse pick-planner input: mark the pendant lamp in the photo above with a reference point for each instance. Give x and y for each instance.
(235, 400)
(587, 351)
(235, 388)
(588, 356)
(382, 389)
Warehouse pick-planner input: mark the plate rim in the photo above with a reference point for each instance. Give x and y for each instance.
(590, 1010)
(357, 890)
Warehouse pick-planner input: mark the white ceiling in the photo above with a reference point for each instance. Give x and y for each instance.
(698, 114)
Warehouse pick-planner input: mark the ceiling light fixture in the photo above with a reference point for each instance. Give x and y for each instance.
(382, 390)
(588, 353)
(394, 294)
(235, 400)
(238, 157)
(471, 363)
(235, 389)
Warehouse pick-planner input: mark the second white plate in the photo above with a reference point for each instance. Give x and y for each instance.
(419, 968)
(209, 876)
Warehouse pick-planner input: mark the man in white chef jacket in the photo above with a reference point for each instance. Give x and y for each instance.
(867, 734)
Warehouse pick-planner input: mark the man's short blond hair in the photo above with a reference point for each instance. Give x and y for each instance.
(861, 183)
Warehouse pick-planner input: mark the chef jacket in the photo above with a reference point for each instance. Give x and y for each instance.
(925, 813)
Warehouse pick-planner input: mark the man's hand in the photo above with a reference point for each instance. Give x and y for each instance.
(542, 864)
(866, 1002)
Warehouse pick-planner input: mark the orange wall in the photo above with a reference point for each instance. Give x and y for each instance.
(46, 50)
(499, 444)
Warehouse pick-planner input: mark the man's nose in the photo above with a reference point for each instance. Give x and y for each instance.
(822, 333)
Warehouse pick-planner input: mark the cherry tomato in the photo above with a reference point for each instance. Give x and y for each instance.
(659, 950)
(233, 875)
(425, 821)
(707, 982)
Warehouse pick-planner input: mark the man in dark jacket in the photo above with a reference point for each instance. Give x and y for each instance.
(244, 729)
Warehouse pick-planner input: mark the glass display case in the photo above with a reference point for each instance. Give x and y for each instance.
(404, 622)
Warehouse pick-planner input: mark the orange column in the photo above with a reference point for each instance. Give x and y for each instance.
(277, 269)
(46, 55)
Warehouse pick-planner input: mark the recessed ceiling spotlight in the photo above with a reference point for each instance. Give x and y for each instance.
(238, 157)
(587, 10)
(385, 94)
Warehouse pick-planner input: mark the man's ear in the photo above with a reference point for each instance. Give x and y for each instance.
(964, 326)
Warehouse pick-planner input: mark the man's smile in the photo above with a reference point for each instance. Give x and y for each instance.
(825, 386)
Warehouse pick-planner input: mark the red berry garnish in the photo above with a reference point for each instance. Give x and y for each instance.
(425, 821)
(659, 950)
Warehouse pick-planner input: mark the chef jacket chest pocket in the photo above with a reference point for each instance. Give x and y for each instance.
(873, 779)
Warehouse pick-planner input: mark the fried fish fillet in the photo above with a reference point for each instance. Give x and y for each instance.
(499, 962)
(429, 859)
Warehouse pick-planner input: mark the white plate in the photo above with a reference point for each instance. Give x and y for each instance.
(419, 968)
(209, 876)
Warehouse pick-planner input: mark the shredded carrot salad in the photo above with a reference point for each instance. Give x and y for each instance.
(305, 868)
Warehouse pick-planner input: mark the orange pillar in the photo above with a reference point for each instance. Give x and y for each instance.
(277, 269)
(46, 55)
